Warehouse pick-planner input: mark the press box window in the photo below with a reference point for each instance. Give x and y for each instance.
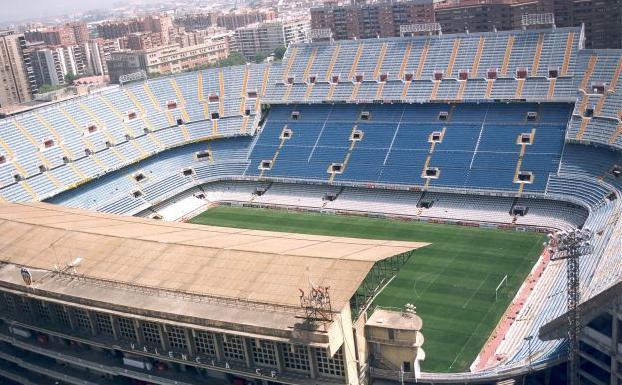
(188, 172)
(521, 73)
(312, 79)
(463, 75)
(171, 105)
(357, 135)
(431, 173)
(2, 159)
(215, 115)
(203, 155)
(91, 129)
(286, 133)
(295, 115)
(290, 80)
(252, 94)
(335, 168)
(589, 111)
(491, 74)
(553, 72)
(139, 177)
(180, 121)
(131, 115)
(438, 75)
(334, 79)
(532, 116)
(42, 168)
(443, 115)
(598, 88)
(365, 115)
(265, 165)
(358, 78)
(525, 138)
(435, 137)
(48, 143)
(408, 77)
(137, 194)
(524, 177)
(213, 98)
(383, 78)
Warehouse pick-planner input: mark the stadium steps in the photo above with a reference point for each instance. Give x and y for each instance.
(243, 91)
(310, 62)
(582, 128)
(379, 90)
(214, 127)
(288, 91)
(11, 155)
(221, 97)
(355, 91)
(489, 84)
(551, 91)
(588, 72)
(333, 60)
(422, 59)
(264, 85)
(519, 88)
(616, 134)
(346, 159)
(308, 91)
(290, 62)
(616, 77)
(452, 58)
(599, 105)
(582, 105)
(87, 142)
(244, 128)
(567, 53)
(355, 62)
(137, 103)
(383, 52)
(53, 132)
(184, 132)
(200, 96)
(506, 56)
(32, 140)
(180, 96)
(405, 90)
(478, 58)
(151, 96)
(461, 88)
(536, 58)
(275, 156)
(29, 190)
(435, 87)
(331, 91)
(405, 61)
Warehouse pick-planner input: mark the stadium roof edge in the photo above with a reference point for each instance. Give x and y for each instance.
(448, 35)
(237, 264)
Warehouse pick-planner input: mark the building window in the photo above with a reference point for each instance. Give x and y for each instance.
(23, 307)
(233, 347)
(151, 333)
(61, 315)
(177, 337)
(205, 343)
(296, 357)
(126, 329)
(264, 352)
(7, 303)
(82, 319)
(104, 324)
(330, 366)
(42, 311)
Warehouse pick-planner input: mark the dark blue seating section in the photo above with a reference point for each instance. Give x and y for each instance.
(479, 148)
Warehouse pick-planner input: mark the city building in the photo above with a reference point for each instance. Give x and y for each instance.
(52, 64)
(237, 19)
(264, 38)
(80, 32)
(361, 20)
(196, 21)
(602, 18)
(52, 36)
(167, 59)
(119, 28)
(17, 82)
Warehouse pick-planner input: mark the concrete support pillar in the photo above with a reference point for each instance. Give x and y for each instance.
(312, 362)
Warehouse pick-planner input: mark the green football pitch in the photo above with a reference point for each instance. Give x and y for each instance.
(452, 282)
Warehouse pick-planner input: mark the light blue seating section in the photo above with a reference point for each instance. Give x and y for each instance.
(479, 148)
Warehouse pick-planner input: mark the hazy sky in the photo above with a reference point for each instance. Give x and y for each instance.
(30, 9)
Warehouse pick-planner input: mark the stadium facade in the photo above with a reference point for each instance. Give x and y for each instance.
(516, 129)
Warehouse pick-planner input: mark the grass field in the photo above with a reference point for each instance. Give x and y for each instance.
(452, 282)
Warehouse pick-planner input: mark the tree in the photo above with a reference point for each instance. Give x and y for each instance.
(279, 52)
(259, 57)
(69, 78)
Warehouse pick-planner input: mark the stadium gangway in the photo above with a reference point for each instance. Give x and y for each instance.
(588, 72)
(536, 58)
(452, 58)
(383, 52)
(221, 96)
(567, 54)
(478, 57)
(506, 56)
(616, 77)
(402, 72)
(422, 59)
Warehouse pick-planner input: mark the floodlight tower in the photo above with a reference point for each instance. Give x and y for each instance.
(571, 245)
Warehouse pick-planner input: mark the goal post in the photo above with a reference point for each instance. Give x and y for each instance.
(504, 282)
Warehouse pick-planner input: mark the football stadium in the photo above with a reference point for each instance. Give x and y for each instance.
(439, 209)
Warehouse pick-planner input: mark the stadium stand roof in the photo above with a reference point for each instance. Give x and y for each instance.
(258, 267)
